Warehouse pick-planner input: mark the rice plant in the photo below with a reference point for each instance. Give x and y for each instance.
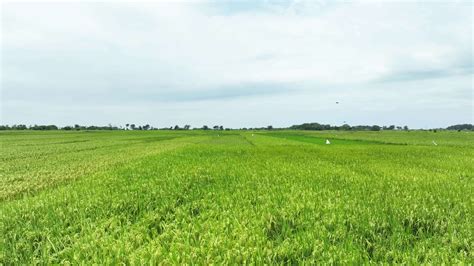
(274, 197)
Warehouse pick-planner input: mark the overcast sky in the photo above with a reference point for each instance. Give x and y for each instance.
(237, 63)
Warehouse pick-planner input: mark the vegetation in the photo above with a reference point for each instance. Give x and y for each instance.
(305, 126)
(201, 197)
(317, 126)
(461, 127)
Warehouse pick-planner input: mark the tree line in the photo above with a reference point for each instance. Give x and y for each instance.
(54, 127)
(109, 127)
(317, 126)
(461, 127)
(304, 126)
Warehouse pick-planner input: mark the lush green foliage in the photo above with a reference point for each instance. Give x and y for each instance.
(236, 197)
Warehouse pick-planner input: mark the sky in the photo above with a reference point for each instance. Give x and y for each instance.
(237, 63)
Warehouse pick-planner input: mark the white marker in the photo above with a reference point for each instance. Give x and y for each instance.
(328, 142)
(434, 143)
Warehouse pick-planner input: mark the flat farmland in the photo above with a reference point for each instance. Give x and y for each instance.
(262, 197)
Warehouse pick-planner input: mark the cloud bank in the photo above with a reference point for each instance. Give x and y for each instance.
(237, 63)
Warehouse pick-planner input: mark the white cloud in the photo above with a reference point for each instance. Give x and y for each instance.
(130, 57)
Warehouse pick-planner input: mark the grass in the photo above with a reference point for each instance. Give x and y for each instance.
(275, 197)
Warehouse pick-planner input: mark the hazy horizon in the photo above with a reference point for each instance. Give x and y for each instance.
(237, 63)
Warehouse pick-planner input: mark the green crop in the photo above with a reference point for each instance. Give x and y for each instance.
(201, 197)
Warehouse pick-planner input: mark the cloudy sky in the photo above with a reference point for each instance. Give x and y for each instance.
(237, 63)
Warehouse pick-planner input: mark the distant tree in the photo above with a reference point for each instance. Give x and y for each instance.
(133, 126)
(345, 127)
(176, 127)
(43, 127)
(392, 127)
(269, 127)
(405, 128)
(216, 127)
(461, 127)
(19, 127)
(375, 128)
(67, 128)
(311, 126)
(187, 127)
(146, 127)
(126, 126)
(221, 128)
(205, 127)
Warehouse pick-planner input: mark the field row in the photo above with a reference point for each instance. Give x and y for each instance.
(233, 197)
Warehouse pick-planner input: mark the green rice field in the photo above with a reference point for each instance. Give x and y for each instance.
(236, 197)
